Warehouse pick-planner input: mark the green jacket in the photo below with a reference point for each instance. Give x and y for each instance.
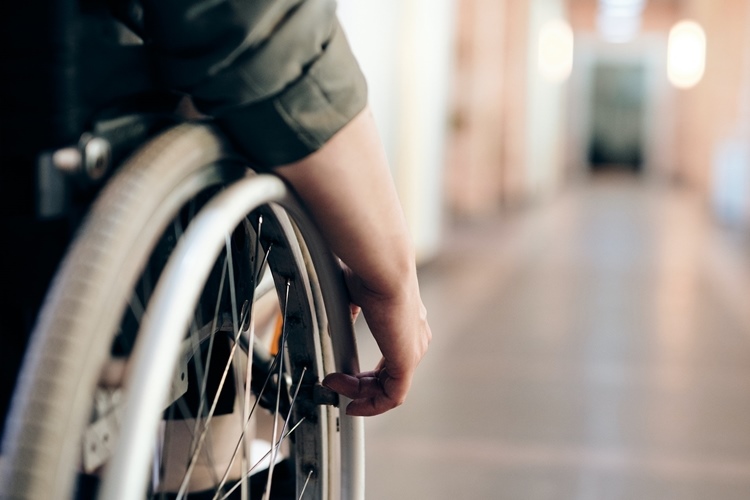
(277, 75)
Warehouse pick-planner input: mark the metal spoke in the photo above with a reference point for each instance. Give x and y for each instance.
(250, 471)
(226, 269)
(200, 372)
(278, 392)
(304, 487)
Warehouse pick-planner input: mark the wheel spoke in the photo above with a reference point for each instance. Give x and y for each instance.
(304, 486)
(145, 268)
(260, 461)
(227, 269)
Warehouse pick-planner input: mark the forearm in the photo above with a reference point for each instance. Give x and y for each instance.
(279, 78)
(348, 189)
(347, 186)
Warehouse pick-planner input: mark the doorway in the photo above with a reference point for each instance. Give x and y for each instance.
(617, 107)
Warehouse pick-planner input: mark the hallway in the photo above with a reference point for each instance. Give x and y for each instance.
(593, 348)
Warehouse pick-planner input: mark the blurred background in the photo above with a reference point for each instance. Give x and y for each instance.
(576, 175)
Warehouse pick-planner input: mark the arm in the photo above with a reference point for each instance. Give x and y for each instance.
(280, 79)
(348, 189)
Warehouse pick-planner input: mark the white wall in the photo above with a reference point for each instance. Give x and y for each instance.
(730, 169)
(545, 107)
(405, 48)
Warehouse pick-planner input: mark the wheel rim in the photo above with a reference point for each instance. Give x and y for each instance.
(130, 215)
(297, 364)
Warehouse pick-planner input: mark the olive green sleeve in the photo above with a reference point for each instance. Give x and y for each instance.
(277, 75)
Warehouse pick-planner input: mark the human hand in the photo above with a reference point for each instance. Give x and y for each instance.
(398, 322)
(372, 393)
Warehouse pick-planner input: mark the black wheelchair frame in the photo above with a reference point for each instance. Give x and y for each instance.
(81, 93)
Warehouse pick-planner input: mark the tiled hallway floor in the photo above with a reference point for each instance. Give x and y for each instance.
(594, 348)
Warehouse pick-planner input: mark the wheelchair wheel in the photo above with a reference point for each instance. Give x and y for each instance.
(197, 310)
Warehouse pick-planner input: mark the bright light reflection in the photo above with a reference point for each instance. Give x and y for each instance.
(619, 21)
(556, 50)
(621, 9)
(686, 54)
(622, 3)
(619, 29)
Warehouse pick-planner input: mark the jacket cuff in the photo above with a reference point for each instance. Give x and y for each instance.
(302, 117)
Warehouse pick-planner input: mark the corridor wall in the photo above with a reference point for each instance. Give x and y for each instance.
(405, 48)
(506, 144)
